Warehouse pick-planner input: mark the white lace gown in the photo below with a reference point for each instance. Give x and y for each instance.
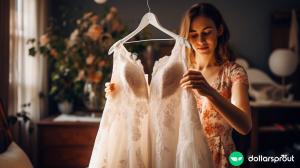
(154, 126)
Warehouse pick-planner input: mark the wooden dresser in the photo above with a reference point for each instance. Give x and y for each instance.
(65, 144)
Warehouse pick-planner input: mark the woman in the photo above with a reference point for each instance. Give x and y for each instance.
(220, 86)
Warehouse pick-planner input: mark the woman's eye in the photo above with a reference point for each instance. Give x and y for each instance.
(193, 36)
(207, 33)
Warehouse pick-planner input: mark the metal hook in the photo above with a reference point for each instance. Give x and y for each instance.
(148, 6)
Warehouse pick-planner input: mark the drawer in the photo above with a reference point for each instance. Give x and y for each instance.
(64, 157)
(67, 135)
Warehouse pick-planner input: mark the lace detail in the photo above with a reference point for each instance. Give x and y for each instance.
(123, 163)
(140, 162)
(166, 114)
(137, 118)
(161, 61)
(138, 62)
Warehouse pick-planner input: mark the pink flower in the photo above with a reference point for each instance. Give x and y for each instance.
(94, 32)
(44, 39)
(90, 59)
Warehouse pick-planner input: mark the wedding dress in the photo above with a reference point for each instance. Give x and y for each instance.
(156, 125)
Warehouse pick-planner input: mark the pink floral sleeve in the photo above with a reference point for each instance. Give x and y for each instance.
(238, 74)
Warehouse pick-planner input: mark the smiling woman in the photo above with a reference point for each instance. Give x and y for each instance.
(220, 86)
(210, 31)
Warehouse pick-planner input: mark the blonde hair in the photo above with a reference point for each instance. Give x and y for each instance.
(223, 52)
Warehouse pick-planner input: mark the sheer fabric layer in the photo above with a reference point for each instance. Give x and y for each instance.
(159, 128)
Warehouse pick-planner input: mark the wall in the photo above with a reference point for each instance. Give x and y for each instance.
(248, 21)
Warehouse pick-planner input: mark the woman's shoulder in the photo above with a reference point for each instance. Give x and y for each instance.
(235, 72)
(232, 67)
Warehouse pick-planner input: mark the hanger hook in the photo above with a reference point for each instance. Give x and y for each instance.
(148, 6)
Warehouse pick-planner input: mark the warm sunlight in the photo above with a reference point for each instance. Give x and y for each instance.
(149, 83)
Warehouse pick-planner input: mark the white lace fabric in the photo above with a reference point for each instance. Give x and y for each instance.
(159, 128)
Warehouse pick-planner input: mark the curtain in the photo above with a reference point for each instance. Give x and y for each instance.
(27, 74)
(4, 51)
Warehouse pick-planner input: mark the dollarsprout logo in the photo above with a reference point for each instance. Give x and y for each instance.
(236, 158)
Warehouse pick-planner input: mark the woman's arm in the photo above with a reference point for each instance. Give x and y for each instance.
(236, 112)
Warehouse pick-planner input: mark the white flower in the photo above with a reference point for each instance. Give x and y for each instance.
(74, 35)
(73, 38)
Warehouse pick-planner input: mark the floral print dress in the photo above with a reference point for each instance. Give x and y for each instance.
(217, 130)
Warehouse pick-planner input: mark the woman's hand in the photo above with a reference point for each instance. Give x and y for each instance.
(237, 112)
(194, 79)
(110, 89)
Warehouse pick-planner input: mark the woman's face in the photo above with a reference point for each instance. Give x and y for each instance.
(203, 35)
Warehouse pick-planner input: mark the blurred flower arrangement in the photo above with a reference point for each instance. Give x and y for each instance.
(79, 62)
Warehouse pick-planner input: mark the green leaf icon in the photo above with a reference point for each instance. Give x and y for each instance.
(236, 158)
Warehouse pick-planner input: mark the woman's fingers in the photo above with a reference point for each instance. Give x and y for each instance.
(107, 84)
(191, 75)
(109, 87)
(107, 90)
(192, 84)
(191, 78)
(192, 72)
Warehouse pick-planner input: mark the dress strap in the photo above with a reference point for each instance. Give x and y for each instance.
(183, 53)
